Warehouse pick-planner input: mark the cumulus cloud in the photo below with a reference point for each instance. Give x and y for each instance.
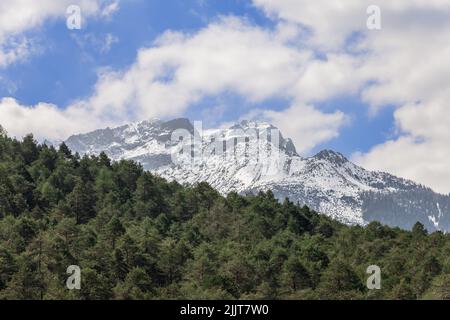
(228, 55)
(45, 121)
(421, 152)
(328, 22)
(405, 65)
(411, 65)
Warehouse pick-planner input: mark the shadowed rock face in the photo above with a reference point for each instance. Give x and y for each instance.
(327, 182)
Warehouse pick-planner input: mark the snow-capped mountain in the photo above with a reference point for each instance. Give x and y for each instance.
(252, 156)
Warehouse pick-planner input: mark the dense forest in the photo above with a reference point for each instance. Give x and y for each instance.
(137, 236)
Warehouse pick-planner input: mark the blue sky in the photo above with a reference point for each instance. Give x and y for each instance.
(313, 68)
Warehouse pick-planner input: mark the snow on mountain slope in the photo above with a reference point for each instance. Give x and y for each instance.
(253, 156)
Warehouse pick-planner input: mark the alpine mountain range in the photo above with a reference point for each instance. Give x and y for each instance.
(326, 182)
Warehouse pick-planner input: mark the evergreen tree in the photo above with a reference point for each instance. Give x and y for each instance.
(295, 276)
(114, 230)
(82, 202)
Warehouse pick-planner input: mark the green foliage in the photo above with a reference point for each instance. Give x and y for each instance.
(136, 236)
(2, 131)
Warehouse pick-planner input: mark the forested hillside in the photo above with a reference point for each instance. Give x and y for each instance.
(136, 236)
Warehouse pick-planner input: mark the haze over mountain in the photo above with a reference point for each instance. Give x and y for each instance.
(252, 156)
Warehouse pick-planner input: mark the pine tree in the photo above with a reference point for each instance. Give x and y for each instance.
(82, 202)
(115, 229)
(64, 151)
(3, 132)
(339, 278)
(295, 276)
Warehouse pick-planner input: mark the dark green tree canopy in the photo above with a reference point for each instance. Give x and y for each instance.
(136, 236)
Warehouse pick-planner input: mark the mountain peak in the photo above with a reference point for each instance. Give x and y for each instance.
(331, 156)
(180, 123)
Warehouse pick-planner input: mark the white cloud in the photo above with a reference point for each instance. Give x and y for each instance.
(322, 80)
(102, 43)
(108, 42)
(44, 120)
(228, 55)
(110, 9)
(422, 151)
(424, 161)
(14, 49)
(329, 22)
(411, 64)
(20, 16)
